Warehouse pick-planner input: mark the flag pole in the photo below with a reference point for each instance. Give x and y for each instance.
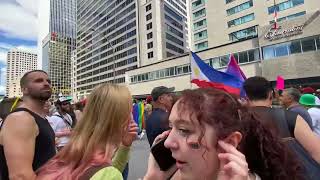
(275, 14)
(190, 56)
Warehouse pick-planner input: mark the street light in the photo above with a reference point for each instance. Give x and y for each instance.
(113, 60)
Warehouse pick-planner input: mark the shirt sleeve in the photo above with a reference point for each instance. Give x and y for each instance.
(121, 158)
(110, 173)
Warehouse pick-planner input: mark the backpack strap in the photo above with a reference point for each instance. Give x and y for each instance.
(92, 171)
(65, 121)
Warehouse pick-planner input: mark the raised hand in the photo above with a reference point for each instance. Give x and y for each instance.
(154, 172)
(233, 164)
(131, 134)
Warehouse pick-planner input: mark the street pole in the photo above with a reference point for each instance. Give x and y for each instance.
(113, 60)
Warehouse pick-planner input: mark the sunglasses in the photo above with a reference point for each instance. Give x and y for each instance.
(65, 103)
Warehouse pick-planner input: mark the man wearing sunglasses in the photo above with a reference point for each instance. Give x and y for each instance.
(61, 122)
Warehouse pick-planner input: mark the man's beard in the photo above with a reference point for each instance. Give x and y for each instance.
(42, 96)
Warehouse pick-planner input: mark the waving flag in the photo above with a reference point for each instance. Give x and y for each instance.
(234, 69)
(138, 114)
(205, 76)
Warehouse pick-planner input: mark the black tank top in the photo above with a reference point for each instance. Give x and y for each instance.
(44, 145)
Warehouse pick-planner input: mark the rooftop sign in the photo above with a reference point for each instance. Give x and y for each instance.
(279, 33)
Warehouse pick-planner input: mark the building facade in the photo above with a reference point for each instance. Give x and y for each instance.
(165, 29)
(18, 63)
(74, 75)
(107, 42)
(58, 44)
(221, 22)
(292, 51)
(116, 36)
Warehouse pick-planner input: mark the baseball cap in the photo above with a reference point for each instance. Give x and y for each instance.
(308, 90)
(308, 100)
(160, 90)
(62, 99)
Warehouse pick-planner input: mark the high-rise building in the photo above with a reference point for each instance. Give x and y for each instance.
(18, 63)
(73, 75)
(115, 36)
(164, 29)
(107, 42)
(58, 44)
(220, 22)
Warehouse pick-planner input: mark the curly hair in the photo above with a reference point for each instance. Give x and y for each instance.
(265, 153)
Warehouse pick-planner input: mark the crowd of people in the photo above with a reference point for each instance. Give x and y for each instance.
(210, 133)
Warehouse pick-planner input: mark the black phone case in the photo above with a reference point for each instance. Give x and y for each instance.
(163, 156)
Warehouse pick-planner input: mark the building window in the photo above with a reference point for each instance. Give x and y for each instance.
(174, 31)
(150, 55)
(169, 54)
(240, 7)
(150, 45)
(288, 48)
(200, 35)
(149, 35)
(174, 39)
(201, 46)
(242, 34)
(289, 17)
(285, 5)
(229, 1)
(241, 20)
(200, 24)
(172, 13)
(148, 17)
(308, 44)
(148, 8)
(174, 48)
(199, 13)
(197, 3)
(149, 26)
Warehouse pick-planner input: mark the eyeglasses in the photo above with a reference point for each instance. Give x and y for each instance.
(66, 103)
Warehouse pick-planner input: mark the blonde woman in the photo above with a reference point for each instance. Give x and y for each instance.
(108, 128)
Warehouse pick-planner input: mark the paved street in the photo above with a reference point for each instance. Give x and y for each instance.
(139, 159)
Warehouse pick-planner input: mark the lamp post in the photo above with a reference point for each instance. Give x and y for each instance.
(112, 48)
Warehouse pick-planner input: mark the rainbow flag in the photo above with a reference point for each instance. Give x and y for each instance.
(138, 115)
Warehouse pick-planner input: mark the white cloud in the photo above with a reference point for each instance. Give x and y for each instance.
(3, 81)
(3, 57)
(18, 19)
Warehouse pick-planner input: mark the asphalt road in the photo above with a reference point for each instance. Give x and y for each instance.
(139, 159)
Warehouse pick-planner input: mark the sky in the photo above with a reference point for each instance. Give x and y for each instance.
(18, 29)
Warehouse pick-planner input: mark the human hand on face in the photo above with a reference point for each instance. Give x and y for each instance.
(154, 172)
(131, 134)
(233, 164)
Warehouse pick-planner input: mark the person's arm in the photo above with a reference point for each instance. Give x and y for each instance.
(63, 133)
(57, 128)
(121, 158)
(19, 135)
(308, 139)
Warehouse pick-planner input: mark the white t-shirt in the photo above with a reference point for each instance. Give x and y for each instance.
(59, 125)
(315, 116)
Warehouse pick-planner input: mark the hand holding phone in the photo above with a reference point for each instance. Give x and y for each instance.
(162, 155)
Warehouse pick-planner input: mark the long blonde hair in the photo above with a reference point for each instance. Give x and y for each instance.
(104, 121)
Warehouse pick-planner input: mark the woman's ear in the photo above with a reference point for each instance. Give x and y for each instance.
(234, 139)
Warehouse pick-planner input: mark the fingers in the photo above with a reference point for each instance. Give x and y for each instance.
(234, 162)
(161, 136)
(231, 157)
(235, 168)
(231, 149)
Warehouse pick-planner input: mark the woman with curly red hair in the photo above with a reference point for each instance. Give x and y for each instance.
(214, 137)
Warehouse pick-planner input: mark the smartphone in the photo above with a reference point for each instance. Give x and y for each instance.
(162, 155)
